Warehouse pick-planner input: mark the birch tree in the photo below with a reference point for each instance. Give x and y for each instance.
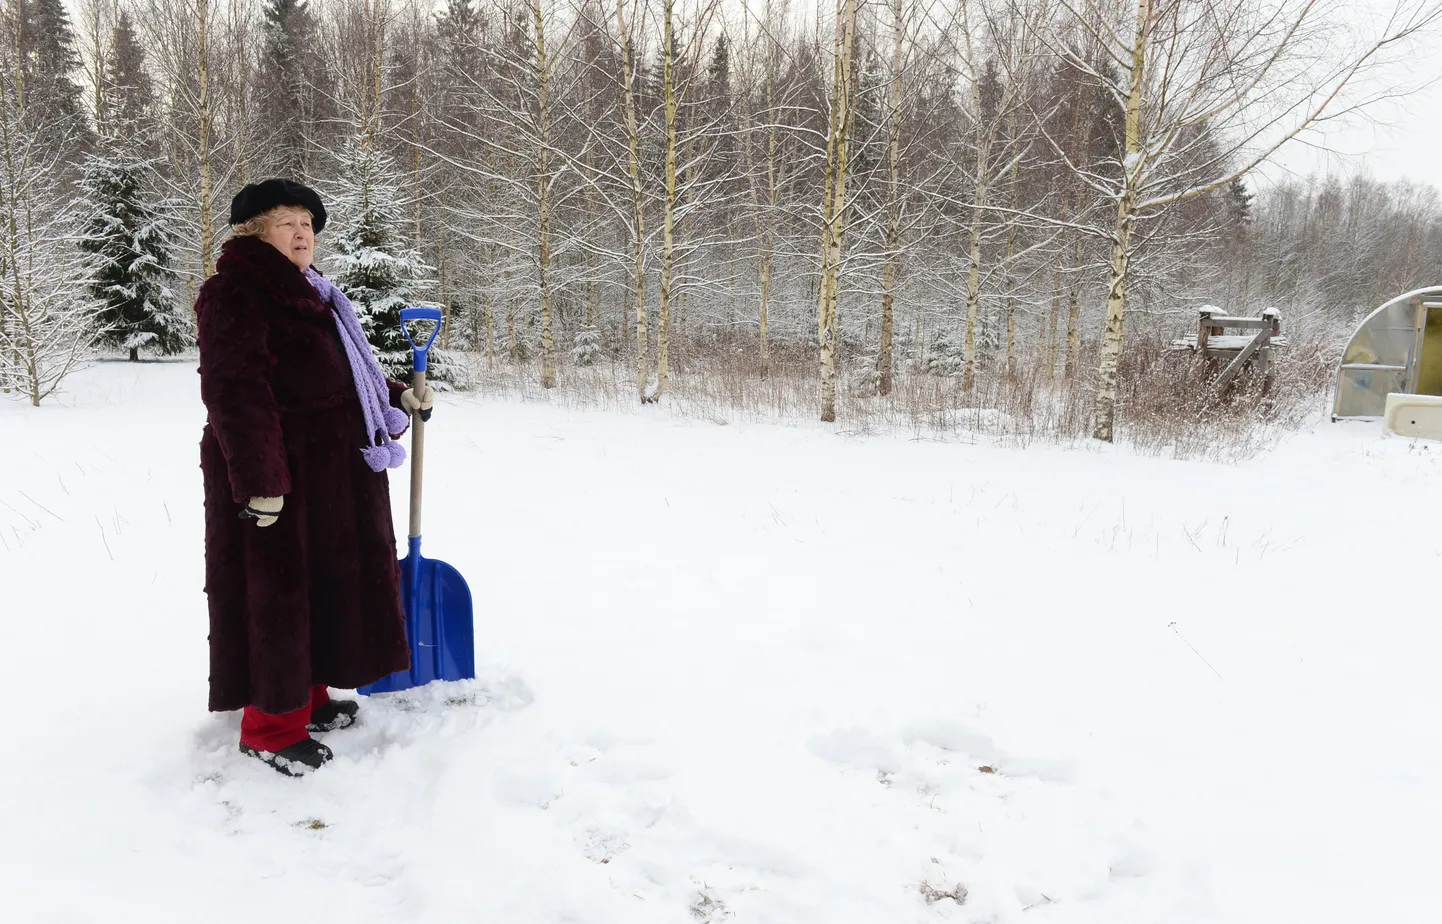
(626, 33)
(180, 35)
(498, 134)
(684, 156)
(885, 362)
(833, 204)
(769, 163)
(47, 325)
(544, 63)
(668, 214)
(1082, 123)
(764, 210)
(995, 84)
(458, 34)
(203, 117)
(96, 21)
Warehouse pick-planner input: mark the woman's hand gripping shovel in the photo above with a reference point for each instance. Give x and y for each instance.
(439, 624)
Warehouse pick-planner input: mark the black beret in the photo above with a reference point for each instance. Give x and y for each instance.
(258, 198)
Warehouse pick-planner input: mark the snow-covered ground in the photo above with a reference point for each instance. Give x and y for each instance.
(749, 673)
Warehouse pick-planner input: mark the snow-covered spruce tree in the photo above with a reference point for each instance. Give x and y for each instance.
(49, 102)
(372, 264)
(587, 351)
(130, 238)
(945, 355)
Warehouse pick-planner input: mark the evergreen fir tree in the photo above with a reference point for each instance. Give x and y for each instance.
(991, 91)
(45, 46)
(718, 100)
(459, 31)
(867, 141)
(1239, 201)
(587, 351)
(132, 252)
(129, 92)
(458, 28)
(373, 265)
(292, 102)
(945, 355)
(718, 71)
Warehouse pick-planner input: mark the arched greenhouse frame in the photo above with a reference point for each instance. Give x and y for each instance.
(1397, 349)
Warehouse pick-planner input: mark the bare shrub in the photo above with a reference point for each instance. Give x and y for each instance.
(1172, 408)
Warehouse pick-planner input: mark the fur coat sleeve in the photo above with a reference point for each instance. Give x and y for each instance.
(235, 386)
(396, 390)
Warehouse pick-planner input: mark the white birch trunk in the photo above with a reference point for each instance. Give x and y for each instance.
(973, 278)
(1073, 318)
(668, 219)
(885, 362)
(490, 321)
(638, 216)
(1008, 278)
(1048, 337)
(207, 218)
(768, 231)
(1112, 334)
(834, 210)
(985, 134)
(763, 203)
(543, 202)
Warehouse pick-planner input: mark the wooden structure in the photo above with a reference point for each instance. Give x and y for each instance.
(1216, 345)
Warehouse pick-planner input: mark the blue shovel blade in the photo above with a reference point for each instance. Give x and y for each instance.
(440, 627)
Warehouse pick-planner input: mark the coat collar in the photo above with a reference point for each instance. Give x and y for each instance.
(253, 258)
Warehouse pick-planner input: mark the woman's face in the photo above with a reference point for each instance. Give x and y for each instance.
(289, 231)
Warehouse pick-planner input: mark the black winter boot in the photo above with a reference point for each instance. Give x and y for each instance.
(338, 713)
(296, 760)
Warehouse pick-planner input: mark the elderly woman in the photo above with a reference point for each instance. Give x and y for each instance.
(300, 556)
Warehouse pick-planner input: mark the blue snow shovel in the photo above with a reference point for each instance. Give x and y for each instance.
(437, 601)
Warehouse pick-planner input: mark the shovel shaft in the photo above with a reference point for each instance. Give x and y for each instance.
(419, 353)
(418, 447)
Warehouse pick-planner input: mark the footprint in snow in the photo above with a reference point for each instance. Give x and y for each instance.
(979, 750)
(1013, 833)
(941, 743)
(600, 845)
(614, 792)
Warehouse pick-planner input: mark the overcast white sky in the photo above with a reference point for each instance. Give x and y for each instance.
(1396, 139)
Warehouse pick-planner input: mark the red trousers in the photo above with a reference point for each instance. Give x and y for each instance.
(266, 732)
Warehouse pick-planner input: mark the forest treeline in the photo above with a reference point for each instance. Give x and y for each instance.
(969, 188)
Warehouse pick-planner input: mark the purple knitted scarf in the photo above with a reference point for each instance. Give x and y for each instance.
(381, 452)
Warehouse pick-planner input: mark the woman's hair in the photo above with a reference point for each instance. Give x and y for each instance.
(255, 227)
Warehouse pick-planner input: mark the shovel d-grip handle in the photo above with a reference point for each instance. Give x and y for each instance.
(420, 351)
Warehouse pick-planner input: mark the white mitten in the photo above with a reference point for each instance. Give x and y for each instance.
(421, 403)
(264, 510)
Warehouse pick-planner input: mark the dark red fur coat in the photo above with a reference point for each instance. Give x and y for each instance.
(313, 598)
